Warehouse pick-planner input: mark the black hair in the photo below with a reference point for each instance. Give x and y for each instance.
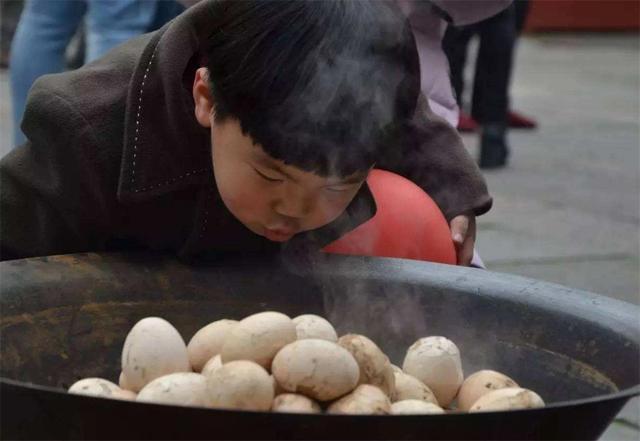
(318, 84)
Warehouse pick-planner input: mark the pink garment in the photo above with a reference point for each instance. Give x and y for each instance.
(428, 24)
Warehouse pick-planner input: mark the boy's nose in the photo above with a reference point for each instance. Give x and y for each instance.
(294, 206)
(292, 210)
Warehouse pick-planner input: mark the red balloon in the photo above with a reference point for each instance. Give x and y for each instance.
(407, 224)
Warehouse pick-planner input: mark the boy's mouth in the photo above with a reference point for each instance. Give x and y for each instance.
(278, 235)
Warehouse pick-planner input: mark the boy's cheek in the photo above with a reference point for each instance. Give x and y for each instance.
(329, 211)
(246, 203)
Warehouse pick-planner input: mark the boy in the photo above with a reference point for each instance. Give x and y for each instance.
(241, 126)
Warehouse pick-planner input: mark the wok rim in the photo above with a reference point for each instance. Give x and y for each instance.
(627, 393)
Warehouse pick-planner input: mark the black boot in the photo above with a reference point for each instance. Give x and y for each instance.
(493, 146)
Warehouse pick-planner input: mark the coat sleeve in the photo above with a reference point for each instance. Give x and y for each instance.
(428, 151)
(52, 193)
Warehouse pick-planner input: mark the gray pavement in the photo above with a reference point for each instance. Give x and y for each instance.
(567, 209)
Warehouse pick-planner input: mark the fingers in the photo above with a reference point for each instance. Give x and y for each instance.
(463, 233)
(459, 227)
(465, 252)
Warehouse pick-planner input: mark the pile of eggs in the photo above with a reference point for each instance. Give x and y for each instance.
(270, 362)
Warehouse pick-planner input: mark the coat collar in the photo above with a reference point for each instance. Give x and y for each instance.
(164, 147)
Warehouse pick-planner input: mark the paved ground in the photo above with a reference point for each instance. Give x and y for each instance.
(567, 209)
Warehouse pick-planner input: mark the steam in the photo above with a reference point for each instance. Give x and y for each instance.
(395, 315)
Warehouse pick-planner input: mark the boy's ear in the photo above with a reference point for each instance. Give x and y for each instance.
(202, 97)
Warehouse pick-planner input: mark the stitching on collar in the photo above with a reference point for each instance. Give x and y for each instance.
(135, 143)
(137, 135)
(203, 230)
(171, 181)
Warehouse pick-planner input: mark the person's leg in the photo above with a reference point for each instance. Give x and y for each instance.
(9, 15)
(491, 85)
(38, 47)
(517, 119)
(521, 11)
(111, 22)
(455, 44)
(493, 67)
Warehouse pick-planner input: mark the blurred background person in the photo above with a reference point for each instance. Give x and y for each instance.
(429, 20)
(46, 28)
(492, 78)
(9, 15)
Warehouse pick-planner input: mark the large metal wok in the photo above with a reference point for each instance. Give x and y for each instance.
(66, 317)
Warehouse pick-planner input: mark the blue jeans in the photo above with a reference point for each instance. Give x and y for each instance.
(47, 26)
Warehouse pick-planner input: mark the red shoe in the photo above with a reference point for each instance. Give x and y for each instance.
(519, 121)
(466, 123)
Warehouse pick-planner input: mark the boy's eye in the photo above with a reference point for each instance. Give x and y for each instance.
(336, 190)
(342, 189)
(267, 178)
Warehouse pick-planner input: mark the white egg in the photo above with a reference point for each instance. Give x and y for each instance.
(181, 388)
(436, 362)
(153, 348)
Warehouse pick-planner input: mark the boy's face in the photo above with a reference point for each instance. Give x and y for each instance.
(270, 198)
